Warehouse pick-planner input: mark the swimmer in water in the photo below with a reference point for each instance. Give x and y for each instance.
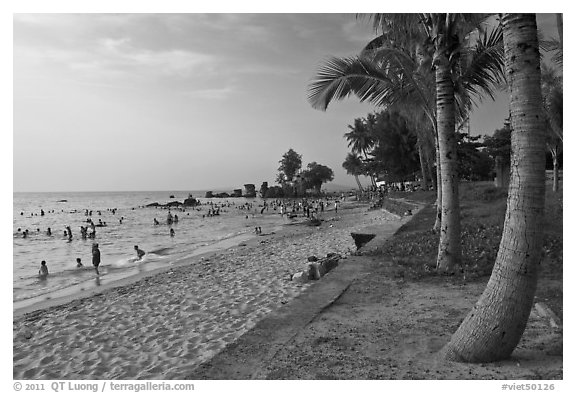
(96, 257)
(139, 252)
(43, 272)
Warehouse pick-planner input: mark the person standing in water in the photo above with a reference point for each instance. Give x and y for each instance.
(96, 257)
(139, 252)
(43, 272)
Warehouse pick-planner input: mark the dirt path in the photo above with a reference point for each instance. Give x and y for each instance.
(365, 321)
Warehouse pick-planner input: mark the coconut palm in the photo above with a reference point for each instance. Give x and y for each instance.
(493, 328)
(354, 166)
(395, 73)
(426, 141)
(360, 138)
(552, 104)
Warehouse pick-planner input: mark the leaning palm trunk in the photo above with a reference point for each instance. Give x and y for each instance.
(495, 325)
(358, 183)
(449, 245)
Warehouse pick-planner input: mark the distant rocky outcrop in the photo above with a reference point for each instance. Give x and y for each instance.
(191, 201)
(263, 189)
(249, 190)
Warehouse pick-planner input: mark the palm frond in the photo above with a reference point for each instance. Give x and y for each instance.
(553, 45)
(555, 111)
(483, 72)
(338, 78)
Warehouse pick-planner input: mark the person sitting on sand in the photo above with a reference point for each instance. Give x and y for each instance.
(43, 272)
(79, 262)
(139, 252)
(172, 233)
(96, 257)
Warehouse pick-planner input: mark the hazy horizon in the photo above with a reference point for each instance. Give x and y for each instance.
(123, 102)
(331, 186)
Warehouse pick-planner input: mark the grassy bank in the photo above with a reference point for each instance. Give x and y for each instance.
(483, 207)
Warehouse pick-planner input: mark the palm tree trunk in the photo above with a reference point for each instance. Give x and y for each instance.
(371, 175)
(431, 171)
(449, 246)
(554, 152)
(495, 325)
(424, 183)
(358, 183)
(438, 221)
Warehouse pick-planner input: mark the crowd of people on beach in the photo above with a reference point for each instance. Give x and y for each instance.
(290, 208)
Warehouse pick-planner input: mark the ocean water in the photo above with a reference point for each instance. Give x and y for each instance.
(194, 234)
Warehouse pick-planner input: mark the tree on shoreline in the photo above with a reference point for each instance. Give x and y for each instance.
(290, 164)
(354, 166)
(315, 175)
(361, 140)
(395, 150)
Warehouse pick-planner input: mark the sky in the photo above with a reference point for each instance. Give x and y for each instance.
(126, 102)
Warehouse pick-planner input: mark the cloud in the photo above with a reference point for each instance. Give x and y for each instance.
(121, 54)
(213, 94)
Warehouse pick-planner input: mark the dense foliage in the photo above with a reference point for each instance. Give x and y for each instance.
(290, 164)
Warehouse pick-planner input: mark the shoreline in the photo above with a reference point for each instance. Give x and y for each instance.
(72, 293)
(167, 321)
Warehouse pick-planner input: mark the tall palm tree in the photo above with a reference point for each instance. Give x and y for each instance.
(354, 166)
(552, 105)
(360, 138)
(395, 73)
(493, 328)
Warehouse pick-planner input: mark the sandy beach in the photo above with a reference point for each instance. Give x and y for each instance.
(163, 325)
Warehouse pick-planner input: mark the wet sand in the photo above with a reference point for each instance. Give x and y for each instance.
(162, 325)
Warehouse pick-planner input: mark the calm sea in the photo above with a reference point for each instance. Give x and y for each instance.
(128, 223)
